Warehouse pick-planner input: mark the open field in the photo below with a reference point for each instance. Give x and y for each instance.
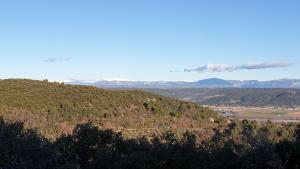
(275, 114)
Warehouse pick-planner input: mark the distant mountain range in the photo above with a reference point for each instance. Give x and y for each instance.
(205, 83)
(257, 97)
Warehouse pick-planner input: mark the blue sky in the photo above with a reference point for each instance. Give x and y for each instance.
(150, 39)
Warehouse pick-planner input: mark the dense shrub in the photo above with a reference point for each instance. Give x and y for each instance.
(55, 108)
(239, 146)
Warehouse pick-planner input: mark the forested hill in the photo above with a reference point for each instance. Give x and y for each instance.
(83, 114)
(55, 108)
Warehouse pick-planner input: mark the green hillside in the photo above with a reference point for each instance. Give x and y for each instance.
(72, 131)
(55, 108)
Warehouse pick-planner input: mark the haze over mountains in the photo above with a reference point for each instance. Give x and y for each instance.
(205, 83)
(254, 97)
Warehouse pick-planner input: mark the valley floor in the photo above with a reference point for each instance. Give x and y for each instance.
(274, 114)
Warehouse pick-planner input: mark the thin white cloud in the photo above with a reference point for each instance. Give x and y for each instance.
(230, 68)
(57, 59)
(212, 68)
(265, 65)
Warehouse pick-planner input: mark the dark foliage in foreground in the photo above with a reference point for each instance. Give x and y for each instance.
(239, 146)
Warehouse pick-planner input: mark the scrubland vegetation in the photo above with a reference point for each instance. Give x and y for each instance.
(55, 126)
(55, 108)
(241, 145)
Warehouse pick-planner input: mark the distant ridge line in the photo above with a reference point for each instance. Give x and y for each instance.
(205, 83)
